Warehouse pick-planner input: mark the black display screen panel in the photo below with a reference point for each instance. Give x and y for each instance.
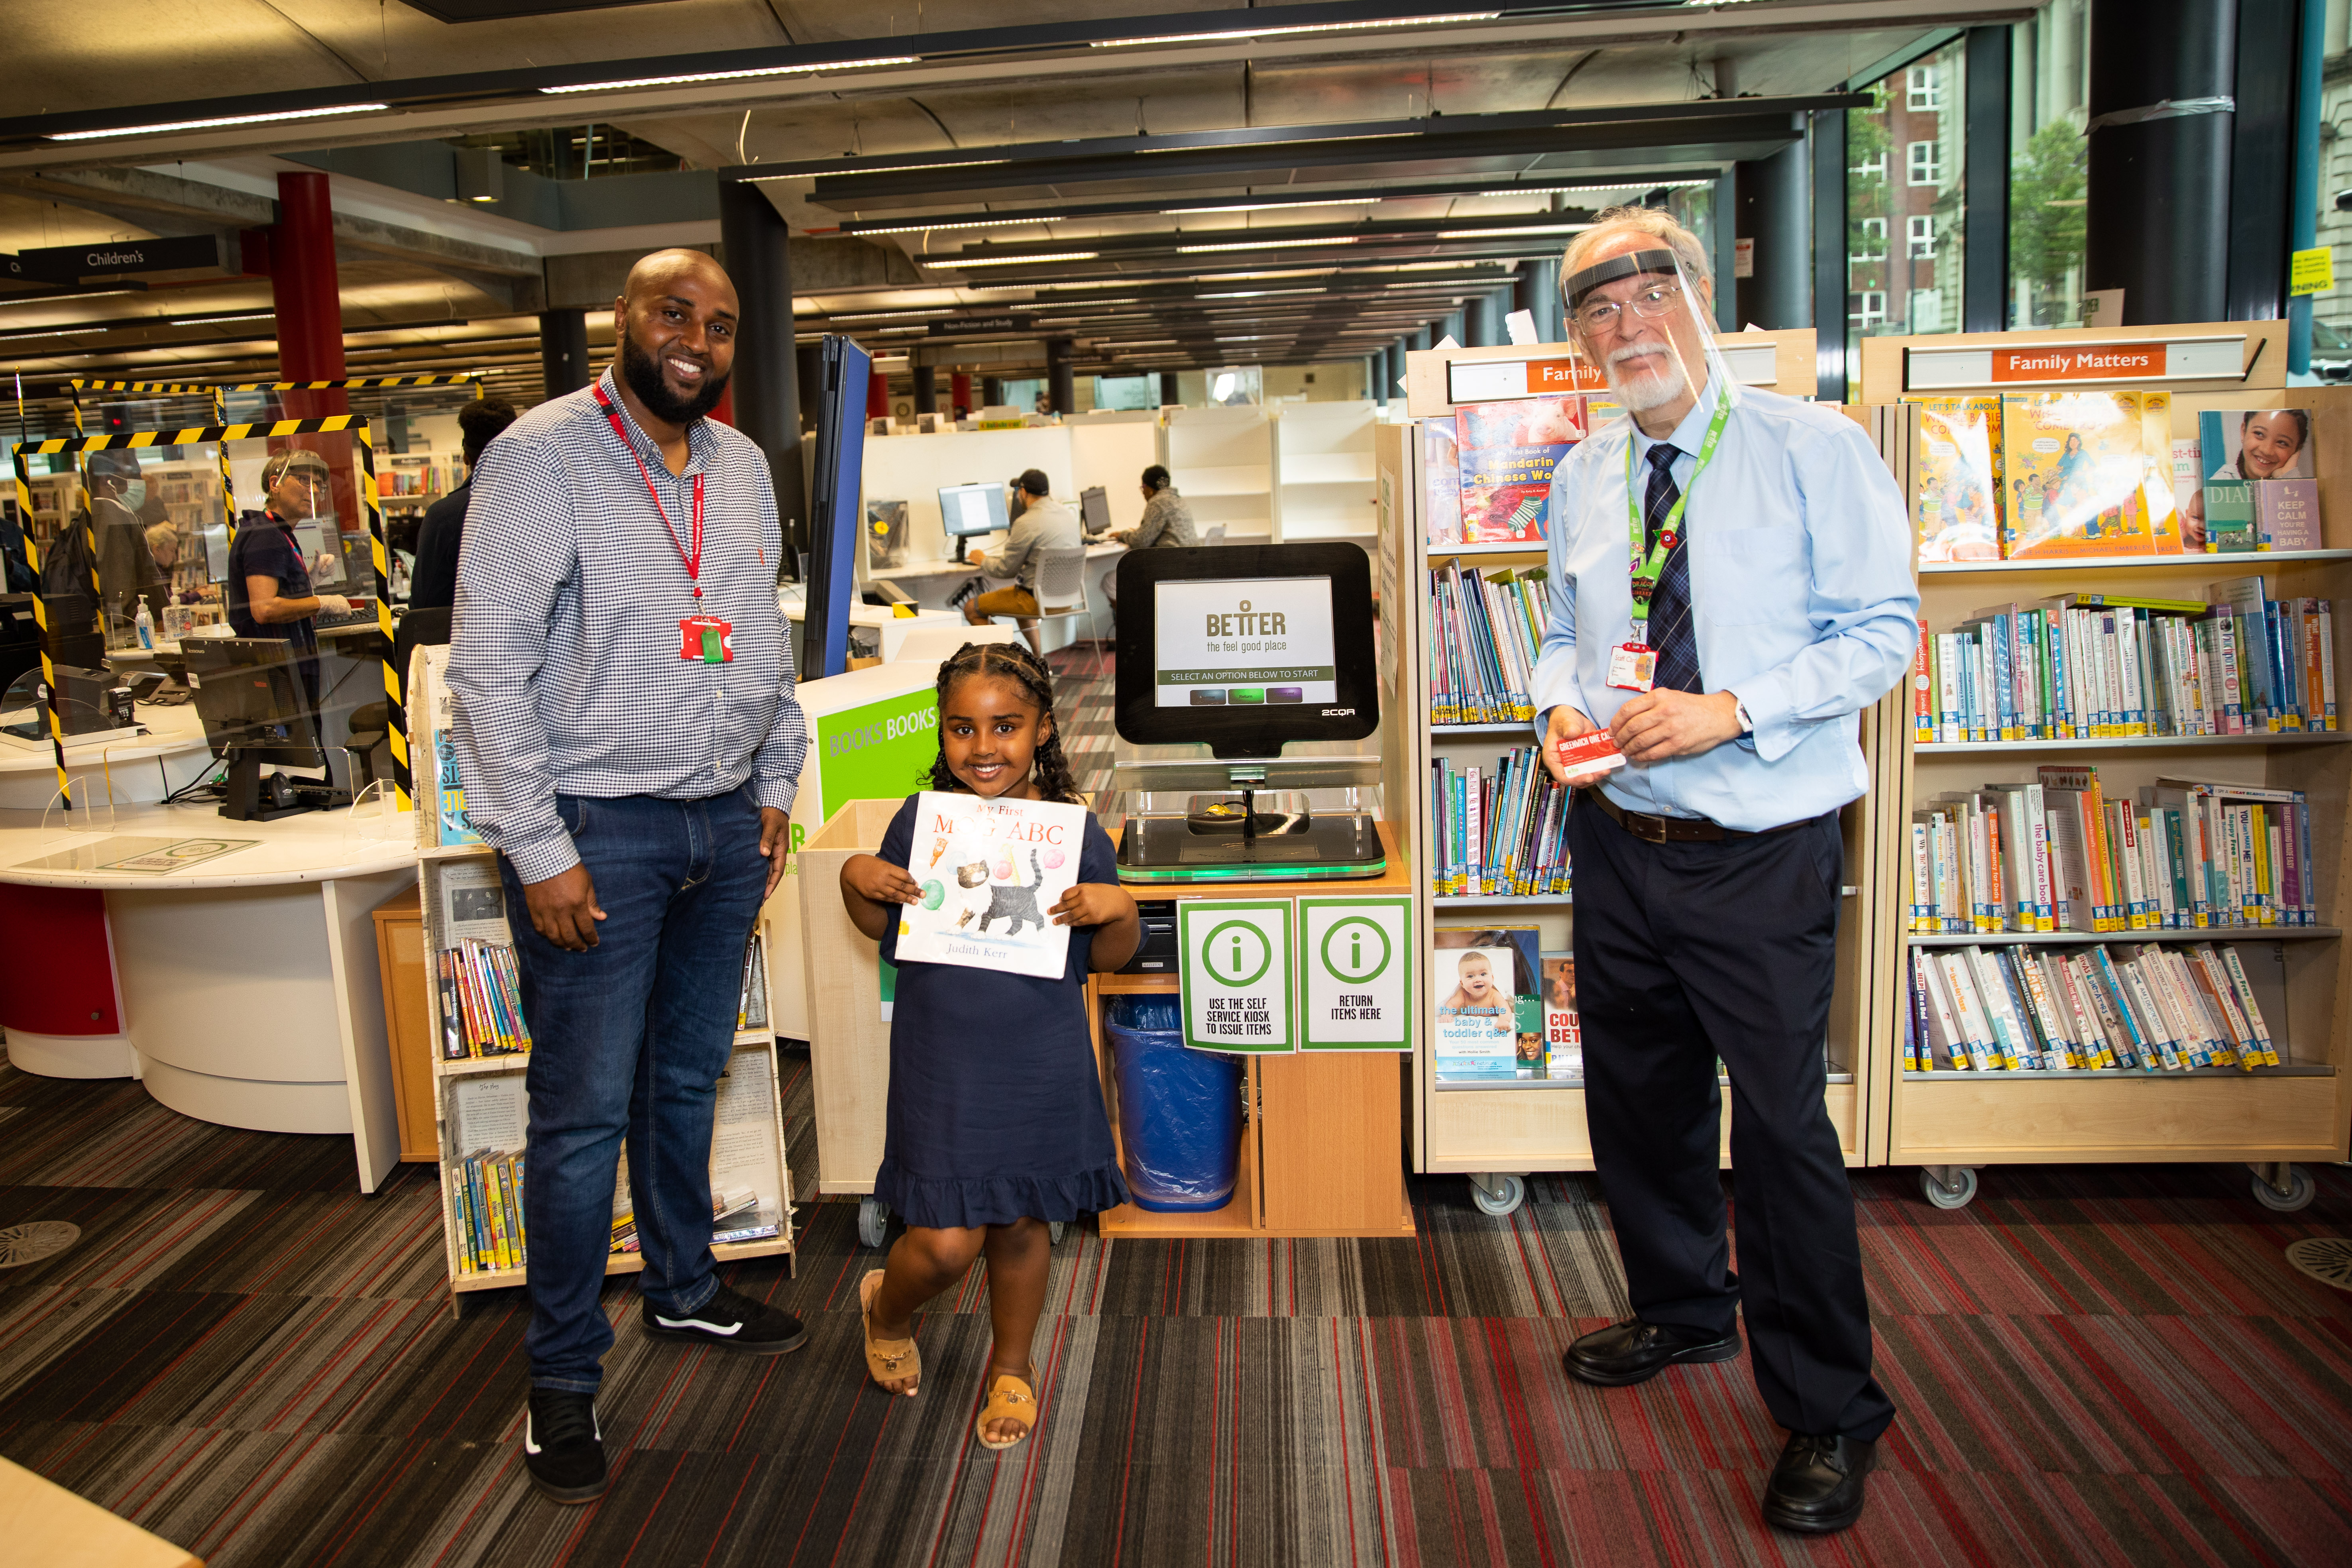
(1246, 647)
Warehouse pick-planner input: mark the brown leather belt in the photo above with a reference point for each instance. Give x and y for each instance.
(1675, 829)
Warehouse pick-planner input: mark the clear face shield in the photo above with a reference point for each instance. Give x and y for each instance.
(1643, 322)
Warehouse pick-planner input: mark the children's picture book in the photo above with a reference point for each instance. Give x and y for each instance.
(1957, 514)
(1441, 470)
(2075, 474)
(1490, 1014)
(2159, 500)
(2239, 450)
(1507, 451)
(990, 872)
(1564, 1035)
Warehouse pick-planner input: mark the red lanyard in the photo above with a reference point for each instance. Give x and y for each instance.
(692, 560)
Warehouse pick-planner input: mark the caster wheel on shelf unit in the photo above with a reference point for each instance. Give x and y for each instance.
(873, 1220)
(2300, 1190)
(1957, 1194)
(1503, 1197)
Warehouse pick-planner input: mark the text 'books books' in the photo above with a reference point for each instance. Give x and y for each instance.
(1487, 468)
(2056, 855)
(990, 872)
(1497, 831)
(2149, 1007)
(1485, 629)
(2061, 474)
(1492, 990)
(2109, 666)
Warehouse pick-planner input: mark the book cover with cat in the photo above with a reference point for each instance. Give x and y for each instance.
(1507, 451)
(990, 872)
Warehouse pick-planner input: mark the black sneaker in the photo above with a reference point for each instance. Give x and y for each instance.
(730, 1322)
(563, 1445)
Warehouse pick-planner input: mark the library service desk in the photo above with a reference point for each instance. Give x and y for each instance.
(246, 984)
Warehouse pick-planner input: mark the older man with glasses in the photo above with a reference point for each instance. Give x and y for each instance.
(1729, 587)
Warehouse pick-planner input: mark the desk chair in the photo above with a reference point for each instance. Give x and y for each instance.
(1062, 592)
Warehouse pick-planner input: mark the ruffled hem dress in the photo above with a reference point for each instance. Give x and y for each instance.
(995, 1112)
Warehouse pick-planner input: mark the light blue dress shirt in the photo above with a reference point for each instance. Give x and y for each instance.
(1801, 593)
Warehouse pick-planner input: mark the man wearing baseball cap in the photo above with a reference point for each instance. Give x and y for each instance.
(269, 593)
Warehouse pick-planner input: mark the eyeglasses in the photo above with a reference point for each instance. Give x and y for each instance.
(1650, 304)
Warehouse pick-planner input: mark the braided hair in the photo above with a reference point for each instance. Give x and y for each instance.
(1013, 662)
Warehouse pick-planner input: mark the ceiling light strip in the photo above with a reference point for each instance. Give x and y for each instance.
(1237, 34)
(958, 262)
(209, 124)
(735, 75)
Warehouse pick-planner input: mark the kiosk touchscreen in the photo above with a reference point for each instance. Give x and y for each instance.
(969, 509)
(1246, 650)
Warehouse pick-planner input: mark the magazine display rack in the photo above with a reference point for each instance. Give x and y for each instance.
(1497, 1132)
(479, 1102)
(1949, 1122)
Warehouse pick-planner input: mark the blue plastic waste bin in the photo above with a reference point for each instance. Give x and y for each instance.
(1180, 1111)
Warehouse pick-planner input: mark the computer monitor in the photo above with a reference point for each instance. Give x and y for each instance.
(1246, 647)
(1094, 509)
(973, 509)
(256, 710)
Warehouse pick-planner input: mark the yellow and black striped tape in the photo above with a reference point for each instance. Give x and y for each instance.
(354, 423)
(467, 377)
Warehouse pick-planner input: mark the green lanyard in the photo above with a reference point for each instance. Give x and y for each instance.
(1645, 573)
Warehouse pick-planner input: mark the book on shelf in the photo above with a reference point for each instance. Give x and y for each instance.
(747, 1196)
(2150, 1006)
(1489, 1008)
(2084, 471)
(1957, 506)
(2089, 665)
(1507, 452)
(1485, 631)
(2261, 488)
(2055, 854)
(1563, 1033)
(752, 1007)
(441, 818)
(1497, 831)
(1441, 489)
(474, 963)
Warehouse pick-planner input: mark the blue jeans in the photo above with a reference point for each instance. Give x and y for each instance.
(629, 1039)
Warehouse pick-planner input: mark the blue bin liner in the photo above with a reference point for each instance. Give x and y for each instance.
(1180, 1111)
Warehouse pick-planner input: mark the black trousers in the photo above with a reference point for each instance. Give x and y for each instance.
(1685, 953)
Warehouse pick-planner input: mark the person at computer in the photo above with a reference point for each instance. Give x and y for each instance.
(1043, 523)
(1167, 522)
(630, 744)
(433, 583)
(1730, 584)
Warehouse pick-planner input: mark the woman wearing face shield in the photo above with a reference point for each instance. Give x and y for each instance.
(1730, 584)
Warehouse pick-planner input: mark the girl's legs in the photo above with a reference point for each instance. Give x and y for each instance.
(923, 1263)
(1020, 1258)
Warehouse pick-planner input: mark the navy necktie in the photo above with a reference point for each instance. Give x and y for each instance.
(1671, 632)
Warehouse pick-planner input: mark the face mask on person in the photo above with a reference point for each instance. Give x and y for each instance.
(134, 494)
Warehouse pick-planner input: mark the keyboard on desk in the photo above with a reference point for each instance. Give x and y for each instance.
(357, 616)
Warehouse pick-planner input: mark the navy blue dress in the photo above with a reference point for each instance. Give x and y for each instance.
(995, 1110)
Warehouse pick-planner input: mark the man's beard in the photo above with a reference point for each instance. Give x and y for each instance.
(642, 373)
(1642, 390)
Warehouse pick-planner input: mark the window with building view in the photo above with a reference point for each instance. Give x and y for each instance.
(2049, 84)
(1904, 156)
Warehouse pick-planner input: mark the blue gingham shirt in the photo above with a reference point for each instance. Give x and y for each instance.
(1801, 594)
(563, 656)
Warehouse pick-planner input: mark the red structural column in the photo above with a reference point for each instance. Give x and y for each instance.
(306, 295)
(959, 393)
(877, 395)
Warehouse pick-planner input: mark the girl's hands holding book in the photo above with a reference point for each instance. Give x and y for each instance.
(876, 880)
(1093, 904)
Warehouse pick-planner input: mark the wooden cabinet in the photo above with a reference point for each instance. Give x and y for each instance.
(400, 956)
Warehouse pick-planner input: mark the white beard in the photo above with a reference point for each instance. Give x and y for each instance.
(1641, 391)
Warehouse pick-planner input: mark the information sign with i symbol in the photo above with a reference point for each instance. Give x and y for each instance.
(1236, 976)
(1356, 973)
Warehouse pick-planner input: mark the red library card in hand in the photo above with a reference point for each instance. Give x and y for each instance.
(1585, 759)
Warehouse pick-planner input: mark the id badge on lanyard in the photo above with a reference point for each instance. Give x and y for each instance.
(701, 638)
(1634, 664)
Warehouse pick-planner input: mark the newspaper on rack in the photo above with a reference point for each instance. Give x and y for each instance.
(473, 903)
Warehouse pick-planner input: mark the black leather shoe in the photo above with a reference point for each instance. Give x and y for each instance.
(1635, 1352)
(1816, 1487)
(563, 1447)
(729, 1322)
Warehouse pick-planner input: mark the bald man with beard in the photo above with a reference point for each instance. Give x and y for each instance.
(629, 742)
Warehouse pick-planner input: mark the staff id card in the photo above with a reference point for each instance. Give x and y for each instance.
(706, 640)
(1633, 666)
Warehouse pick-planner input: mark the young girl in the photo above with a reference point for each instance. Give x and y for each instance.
(995, 1122)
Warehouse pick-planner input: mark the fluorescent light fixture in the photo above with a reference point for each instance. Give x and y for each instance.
(926, 228)
(1267, 245)
(736, 75)
(1271, 206)
(1232, 34)
(882, 169)
(1140, 344)
(1512, 232)
(215, 320)
(208, 124)
(957, 262)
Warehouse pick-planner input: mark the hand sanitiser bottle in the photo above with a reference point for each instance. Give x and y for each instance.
(146, 623)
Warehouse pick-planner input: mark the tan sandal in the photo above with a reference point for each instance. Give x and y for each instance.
(887, 1360)
(1018, 1403)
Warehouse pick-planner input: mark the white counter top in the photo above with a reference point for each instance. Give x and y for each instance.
(311, 846)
